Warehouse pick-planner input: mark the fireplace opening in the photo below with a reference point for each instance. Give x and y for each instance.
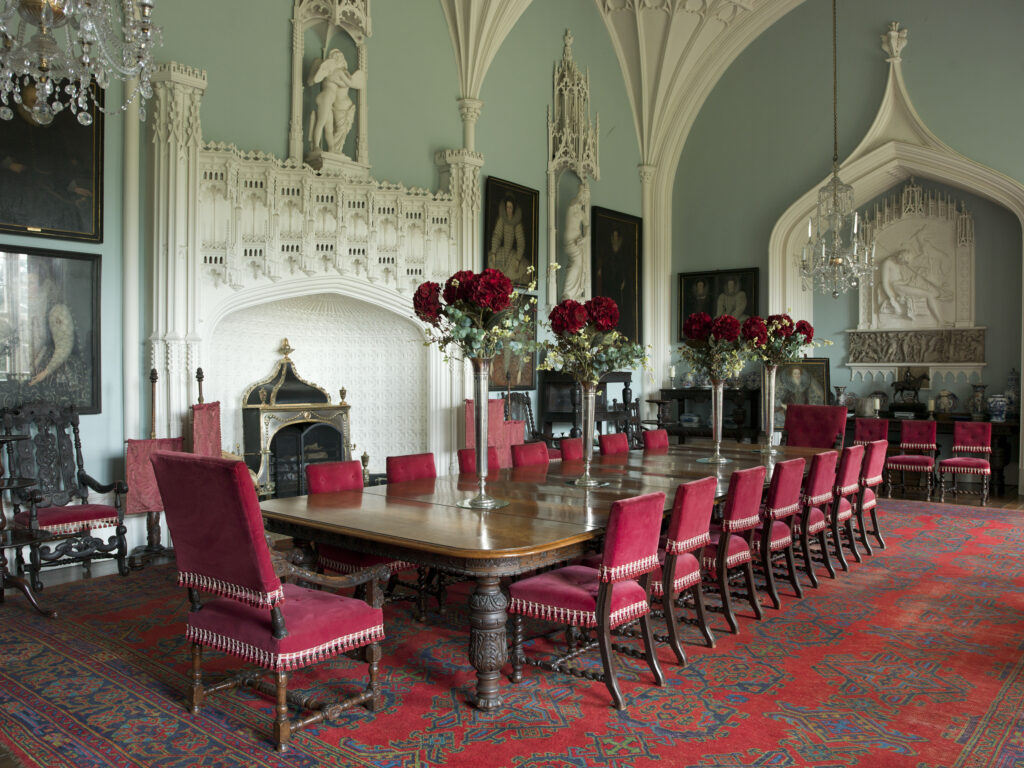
(295, 446)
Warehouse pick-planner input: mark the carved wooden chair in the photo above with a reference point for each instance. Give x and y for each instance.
(846, 493)
(972, 441)
(871, 476)
(779, 518)
(220, 547)
(603, 598)
(59, 501)
(818, 493)
(918, 450)
(815, 426)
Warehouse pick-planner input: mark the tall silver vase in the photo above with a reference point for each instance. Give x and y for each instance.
(717, 390)
(589, 390)
(481, 373)
(768, 409)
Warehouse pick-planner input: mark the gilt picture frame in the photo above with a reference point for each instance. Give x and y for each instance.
(49, 328)
(719, 292)
(802, 382)
(615, 266)
(511, 371)
(510, 230)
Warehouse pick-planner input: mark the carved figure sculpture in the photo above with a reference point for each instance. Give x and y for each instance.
(331, 121)
(901, 283)
(577, 246)
(508, 243)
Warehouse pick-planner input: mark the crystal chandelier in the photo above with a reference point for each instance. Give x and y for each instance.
(840, 256)
(54, 70)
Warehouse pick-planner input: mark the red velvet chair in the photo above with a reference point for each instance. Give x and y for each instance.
(413, 466)
(732, 542)
(215, 522)
(817, 497)
(613, 444)
(603, 598)
(869, 430)
(846, 492)
(467, 460)
(571, 448)
(687, 534)
(655, 439)
(871, 474)
(530, 455)
(969, 437)
(815, 426)
(779, 517)
(919, 437)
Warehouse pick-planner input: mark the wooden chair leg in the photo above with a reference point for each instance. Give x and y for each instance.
(838, 543)
(650, 649)
(984, 490)
(930, 484)
(769, 576)
(876, 531)
(723, 586)
(823, 543)
(748, 577)
(372, 654)
(794, 579)
(517, 649)
(282, 727)
(604, 643)
(671, 620)
(422, 585)
(196, 694)
(863, 531)
(805, 545)
(942, 487)
(702, 618)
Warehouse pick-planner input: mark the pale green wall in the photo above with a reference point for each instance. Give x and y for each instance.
(764, 137)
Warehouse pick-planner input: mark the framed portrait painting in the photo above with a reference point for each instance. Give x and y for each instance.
(722, 292)
(803, 382)
(516, 371)
(51, 177)
(49, 328)
(510, 230)
(615, 262)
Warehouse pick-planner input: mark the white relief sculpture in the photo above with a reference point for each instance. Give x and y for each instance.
(903, 284)
(331, 121)
(577, 246)
(508, 243)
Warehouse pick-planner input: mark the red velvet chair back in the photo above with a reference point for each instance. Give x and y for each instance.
(743, 502)
(691, 516)
(333, 476)
(530, 455)
(413, 466)
(868, 430)
(615, 443)
(467, 460)
(918, 435)
(874, 463)
(571, 448)
(783, 497)
(631, 539)
(821, 478)
(815, 426)
(848, 474)
(217, 528)
(655, 439)
(972, 437)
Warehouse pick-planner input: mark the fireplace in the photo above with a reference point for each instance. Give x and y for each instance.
(287, 423)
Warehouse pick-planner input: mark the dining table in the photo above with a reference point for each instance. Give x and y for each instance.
(546, 520)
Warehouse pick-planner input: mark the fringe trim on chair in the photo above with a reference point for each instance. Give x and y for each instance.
(777, 513)
(972, 449)
(285, 661)
(576, 618)
(783, 543)
(674, 547)
(871, 482)
(234, 591)
(734, 526)
(678, 585)
(845, 514)
(84, 525)
(908, 467)
(815, 527)
(863, 442)
(869, 504)
(846, 490)
(918, 447)
(813, 501)
(338, 567)
(964, 470)
(628, 570)
(730, 562)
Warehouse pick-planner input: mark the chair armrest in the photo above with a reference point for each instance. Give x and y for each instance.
(373, 575)
(118, 486)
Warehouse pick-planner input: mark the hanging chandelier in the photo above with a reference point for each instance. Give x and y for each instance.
(837, 256)
(74, 49)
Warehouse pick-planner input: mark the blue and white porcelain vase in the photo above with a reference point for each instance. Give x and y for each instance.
(997, 405)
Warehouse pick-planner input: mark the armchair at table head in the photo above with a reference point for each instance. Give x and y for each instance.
(918, 437)
(655, 439)
(215, 522)
(413, 466)
(868, 430)
(615, 593)
(972, 441)
(818, 493)
(530, 455)
(467, 460)
(779, 517)
(732, 541)
(871, 476)
(613, 444)
(815, 426)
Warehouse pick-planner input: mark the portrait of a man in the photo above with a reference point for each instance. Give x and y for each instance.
(510, 231)
(615, 267)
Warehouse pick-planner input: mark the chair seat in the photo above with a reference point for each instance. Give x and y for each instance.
(781, 535)
(342, 560)
(569, 596)
(816, 520)
(320, 625)
(868, 500)
(738, 552)
(70, 518)
(845, 510)
(687, 573)
(968, 465)
(910, 463)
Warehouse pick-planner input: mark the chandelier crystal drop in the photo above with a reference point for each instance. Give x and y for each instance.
(837, 256)
(57, 54)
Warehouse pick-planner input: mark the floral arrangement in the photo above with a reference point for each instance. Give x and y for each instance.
(586, 344)
(713, 347)
(776, 339)
(476, 314)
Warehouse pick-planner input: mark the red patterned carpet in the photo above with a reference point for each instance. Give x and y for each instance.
(913, 659)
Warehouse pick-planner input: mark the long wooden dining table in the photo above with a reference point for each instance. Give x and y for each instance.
(547, 521)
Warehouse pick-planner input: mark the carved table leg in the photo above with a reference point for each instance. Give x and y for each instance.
(142, 556)
(488, 648)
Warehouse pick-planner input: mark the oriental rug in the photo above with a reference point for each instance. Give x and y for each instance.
(912, 659)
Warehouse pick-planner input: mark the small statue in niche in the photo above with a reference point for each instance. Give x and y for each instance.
(577, 246)
(331, 121)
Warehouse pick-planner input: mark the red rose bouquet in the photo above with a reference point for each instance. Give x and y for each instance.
(586, 344)
(713, 347)
(479, 314)
(777, 339)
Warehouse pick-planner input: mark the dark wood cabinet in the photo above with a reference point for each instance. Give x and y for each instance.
(741, 412)
(559, 401)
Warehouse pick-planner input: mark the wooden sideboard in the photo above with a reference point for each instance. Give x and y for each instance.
(558, 397)
(741, 412)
